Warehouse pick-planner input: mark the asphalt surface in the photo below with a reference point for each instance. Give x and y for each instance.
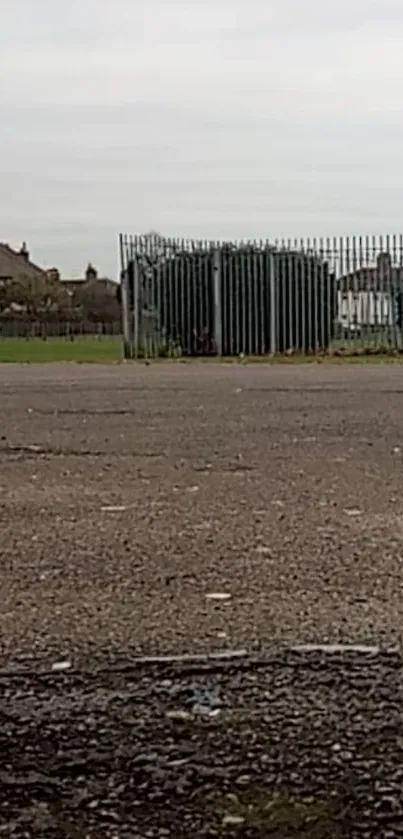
(128, 497)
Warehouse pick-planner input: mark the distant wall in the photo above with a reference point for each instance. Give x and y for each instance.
(365, 308)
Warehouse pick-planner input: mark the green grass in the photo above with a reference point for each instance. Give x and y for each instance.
(84, 350)
(105, 349)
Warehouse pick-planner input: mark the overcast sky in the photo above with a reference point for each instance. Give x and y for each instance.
(209, 119)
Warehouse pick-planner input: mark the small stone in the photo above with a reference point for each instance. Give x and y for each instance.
(232, 821)
(60, 666)
(243, 780)
(218, 595)
(178, 715)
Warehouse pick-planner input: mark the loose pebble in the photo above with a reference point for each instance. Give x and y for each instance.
(59, 666)
(218, 595)
(232, 821)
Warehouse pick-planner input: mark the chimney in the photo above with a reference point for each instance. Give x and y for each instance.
(383, 263)
(91, 273)
(24, 252)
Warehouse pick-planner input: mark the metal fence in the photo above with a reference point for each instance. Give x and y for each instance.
(183, 297)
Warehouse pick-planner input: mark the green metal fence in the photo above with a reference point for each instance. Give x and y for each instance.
(182, 297)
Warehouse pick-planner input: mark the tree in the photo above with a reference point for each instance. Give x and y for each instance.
(96, 303)
(34, 295)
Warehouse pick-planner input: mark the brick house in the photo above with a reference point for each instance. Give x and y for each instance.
(94, 296)
(89, 280)
(15, 264)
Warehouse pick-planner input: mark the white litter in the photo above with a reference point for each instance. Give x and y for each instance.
(112, 509)
(60, 666)
(353, 512)
(262, 549)
(225, 655)
(218, 595)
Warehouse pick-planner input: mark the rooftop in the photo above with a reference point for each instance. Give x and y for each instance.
(21, 256)
(379, 277)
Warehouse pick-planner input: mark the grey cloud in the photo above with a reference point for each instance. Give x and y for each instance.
(206, 119)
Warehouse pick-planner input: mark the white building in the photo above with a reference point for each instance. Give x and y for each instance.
(357, 309)
(366, 297)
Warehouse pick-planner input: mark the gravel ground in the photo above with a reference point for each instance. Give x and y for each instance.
(280, 486)
(296, 747)
(130, 494)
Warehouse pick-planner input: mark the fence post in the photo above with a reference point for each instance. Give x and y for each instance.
(127, 343)
(217, 300)
(136, 308)
(273, 304)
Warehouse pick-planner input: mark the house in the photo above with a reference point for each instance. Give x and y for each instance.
(27, 288)
(16, 264)
(23, 284)
(366, 297)
(89, 280)
(93, 296)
